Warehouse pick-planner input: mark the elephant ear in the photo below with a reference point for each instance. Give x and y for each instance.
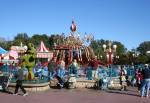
(91, 52)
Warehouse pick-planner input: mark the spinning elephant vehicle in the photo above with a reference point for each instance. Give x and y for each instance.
(73, 47)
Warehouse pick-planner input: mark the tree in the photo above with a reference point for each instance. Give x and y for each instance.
(97, 46)
(21, 38)
(51, 40)
(37, 38)
(123, 60)
(5, 44)
(142, 59)
(56, 39)
(120, 48)
(144, 47)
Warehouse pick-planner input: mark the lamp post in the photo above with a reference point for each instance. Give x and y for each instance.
(109, 52)
(148, 52)
(116, 59)
(101, 57)
(135, 55)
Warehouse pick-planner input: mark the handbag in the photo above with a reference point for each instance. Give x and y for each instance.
(123, 78)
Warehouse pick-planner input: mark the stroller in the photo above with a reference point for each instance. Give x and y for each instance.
(61, 76)
(4, 81)
(61, 82)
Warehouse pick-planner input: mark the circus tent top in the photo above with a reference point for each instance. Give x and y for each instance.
(43, 52)
(42, 48)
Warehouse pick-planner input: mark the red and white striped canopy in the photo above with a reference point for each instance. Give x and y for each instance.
(43, 52)
(42, 48)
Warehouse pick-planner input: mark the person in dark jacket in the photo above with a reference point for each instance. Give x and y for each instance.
(146, 82)
(52, 66)
(20, 77)
(139, 78)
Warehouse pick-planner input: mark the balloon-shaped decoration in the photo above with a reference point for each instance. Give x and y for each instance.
(73, 27)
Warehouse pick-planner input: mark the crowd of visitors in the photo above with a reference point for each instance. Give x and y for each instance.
(139, 77)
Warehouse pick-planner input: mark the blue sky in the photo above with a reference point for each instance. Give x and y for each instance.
(127, 21)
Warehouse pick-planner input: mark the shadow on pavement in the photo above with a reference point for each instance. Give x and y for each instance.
(7, 92)
(122, 92)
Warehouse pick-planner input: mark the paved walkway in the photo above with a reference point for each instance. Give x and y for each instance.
(76, 96)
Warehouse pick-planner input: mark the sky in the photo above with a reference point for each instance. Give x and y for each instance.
(126, 21)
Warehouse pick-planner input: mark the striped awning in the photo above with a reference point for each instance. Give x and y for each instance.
(44, 55)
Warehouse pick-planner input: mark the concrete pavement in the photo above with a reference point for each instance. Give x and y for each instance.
(76, 96)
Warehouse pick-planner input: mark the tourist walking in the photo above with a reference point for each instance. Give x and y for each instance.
(20, 77)
(146, 81)
(139, 78)
(122, 78)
